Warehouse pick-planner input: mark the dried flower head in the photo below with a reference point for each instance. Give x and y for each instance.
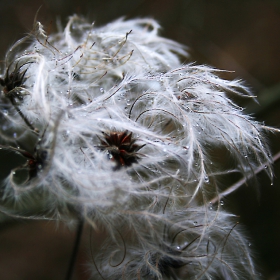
(121, 148)
(35, 162)
(13, 80)
(121, 89)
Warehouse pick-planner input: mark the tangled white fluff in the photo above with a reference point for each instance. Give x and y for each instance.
(113, 124)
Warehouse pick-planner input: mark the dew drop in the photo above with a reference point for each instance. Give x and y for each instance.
(101, 90)
(265, 167)
(5, 112)
(15, 135)
(178, 247)
(222, 202)
(206, 179)
(13, 172)
(195, 223)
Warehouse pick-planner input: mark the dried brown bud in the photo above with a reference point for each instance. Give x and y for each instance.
(121, 148)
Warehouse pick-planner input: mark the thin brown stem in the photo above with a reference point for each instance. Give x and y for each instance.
(35, 130)
(242, 181)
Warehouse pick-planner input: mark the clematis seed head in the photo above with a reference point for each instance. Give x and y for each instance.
(121, 147)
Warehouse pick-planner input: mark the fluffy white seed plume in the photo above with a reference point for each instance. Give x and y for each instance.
(111, 123)
(184, 245)
(64, 73)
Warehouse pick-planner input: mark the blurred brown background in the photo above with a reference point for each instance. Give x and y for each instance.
(241, 36)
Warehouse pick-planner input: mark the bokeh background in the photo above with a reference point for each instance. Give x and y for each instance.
(242, 36)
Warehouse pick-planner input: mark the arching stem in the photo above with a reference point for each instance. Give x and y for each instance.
(242, 181)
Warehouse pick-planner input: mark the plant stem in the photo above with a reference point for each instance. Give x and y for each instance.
(75, 249)
(24, 118)
(242, 181)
